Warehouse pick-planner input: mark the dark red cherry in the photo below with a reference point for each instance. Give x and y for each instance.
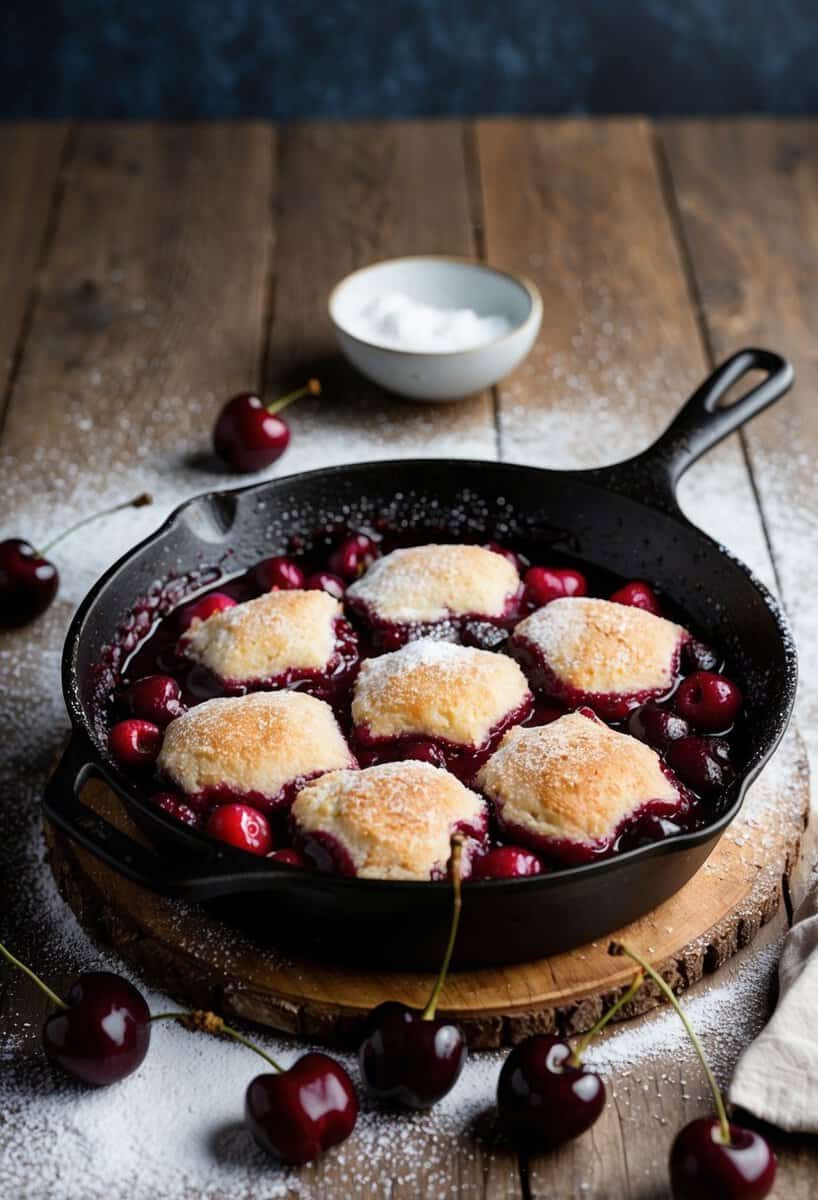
(409, 1060)
(242, 826)
(702, 763)
(544, 584)
(656, 726)
(355, 555)
(638, 594)
(698, 656)
(155, 698)
(542, 1099)
(247, 436)
(709, 702)
(135, 743)
(200, 610)
(325, 581)
(278, 574)
(518, 561)
(103, 1034)
(506, 862)
(177, 808)
(649, 829)
(288, 857)
(702, 1167)
(28, 582)
(299, 1113)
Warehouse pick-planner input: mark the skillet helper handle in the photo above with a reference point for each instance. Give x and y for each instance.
(63, 806)
(700, 425)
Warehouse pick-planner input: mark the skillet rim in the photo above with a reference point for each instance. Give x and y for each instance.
(594, 477)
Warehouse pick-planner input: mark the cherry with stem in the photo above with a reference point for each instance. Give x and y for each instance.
(411, 1057)
(250, 435)
(101, 1032)
(711, 1158)
(295, 1113)
(29, 580)
(545, 1095)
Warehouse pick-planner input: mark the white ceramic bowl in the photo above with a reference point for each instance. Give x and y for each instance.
(444, 283)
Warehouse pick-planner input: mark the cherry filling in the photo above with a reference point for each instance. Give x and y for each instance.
(462, 761)
(142, 677)
(611, 706)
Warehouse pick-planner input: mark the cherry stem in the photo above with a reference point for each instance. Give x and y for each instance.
(621, 948)
(209, 1022)
(638, 980)
(311, 388)
(53, 997)
(138, 502)
(429, 1011)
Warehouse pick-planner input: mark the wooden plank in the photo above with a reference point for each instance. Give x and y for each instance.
(30, 159)
(747, 193)
(352, 194)
(587, 219)
(619, 348)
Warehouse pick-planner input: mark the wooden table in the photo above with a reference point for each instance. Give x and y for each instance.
(149, 271)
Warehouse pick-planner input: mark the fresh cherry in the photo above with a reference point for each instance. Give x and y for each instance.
(353, 556)
(102, 1032)
(704, 764)
(698, 656)
(407, 1059)
(544, 1097)
(325, 581)
(241, 826)
(176, 807)
(506, 862)
(297, 1114)
(703, 1167)
(711, 1159)
(28, 580)
(709, 702)
(544, 584)
(155, 698)
(278, 574)
(201, 609)
(638, 594)
(656, 726)
(409, 1056)
(135, 743)
(289, 857)
(249, 435)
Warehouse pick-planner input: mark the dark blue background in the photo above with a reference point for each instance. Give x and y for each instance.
(270, 58)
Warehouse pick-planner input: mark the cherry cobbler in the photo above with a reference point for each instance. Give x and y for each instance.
(351, 705)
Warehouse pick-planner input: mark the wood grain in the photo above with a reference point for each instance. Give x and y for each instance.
(30, 160)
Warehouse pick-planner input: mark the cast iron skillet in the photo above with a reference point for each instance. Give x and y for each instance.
(624, 518)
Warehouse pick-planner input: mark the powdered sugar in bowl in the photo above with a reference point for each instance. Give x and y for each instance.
(435, 328)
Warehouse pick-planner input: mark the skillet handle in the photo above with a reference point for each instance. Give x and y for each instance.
(701, 424)
(214, 876)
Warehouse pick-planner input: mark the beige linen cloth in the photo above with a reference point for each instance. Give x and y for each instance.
(777, 1076)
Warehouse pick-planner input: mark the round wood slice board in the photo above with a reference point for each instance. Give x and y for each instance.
(202, 962)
